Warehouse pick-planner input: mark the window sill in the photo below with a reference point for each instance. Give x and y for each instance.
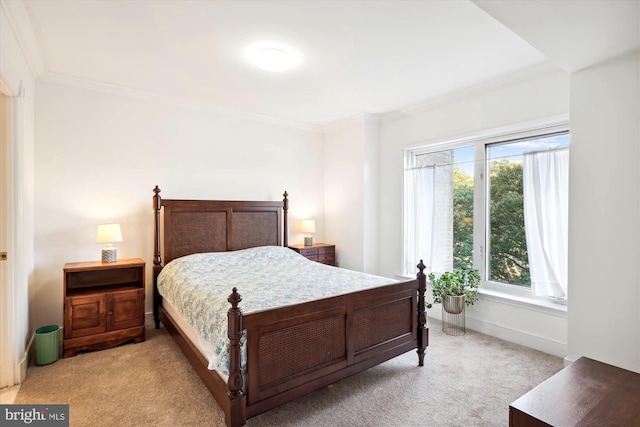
(524, 301)
(515, 298)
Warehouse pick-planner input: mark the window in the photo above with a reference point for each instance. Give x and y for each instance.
(510, 223)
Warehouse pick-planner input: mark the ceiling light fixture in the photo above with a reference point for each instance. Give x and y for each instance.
(272, 55)
(273, 59)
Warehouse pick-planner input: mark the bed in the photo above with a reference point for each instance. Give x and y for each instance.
(272, 354)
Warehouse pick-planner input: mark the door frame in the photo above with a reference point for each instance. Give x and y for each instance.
(13, 357)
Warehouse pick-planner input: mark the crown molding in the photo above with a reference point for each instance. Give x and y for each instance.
(21, 26)
(429, 104)
(511, 79)
(358, 119)
(154, 97)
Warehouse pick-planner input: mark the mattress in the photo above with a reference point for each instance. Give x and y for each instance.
(197, 287)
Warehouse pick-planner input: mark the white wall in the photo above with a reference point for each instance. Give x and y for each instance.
(604, 208)
(344, 191)
(351, 191)
(371, 175)
(499, 107)
(15, 70)
(99, 156)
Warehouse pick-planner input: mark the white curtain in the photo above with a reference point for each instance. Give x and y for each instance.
(546, 206)
(418, 218)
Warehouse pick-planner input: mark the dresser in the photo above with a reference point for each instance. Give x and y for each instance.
(319, 252)
(585, 393)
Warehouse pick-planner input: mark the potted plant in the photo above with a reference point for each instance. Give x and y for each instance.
(455, 289)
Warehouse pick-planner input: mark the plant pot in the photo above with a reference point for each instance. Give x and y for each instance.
(453, 304)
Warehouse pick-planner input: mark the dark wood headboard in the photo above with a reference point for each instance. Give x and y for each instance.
(195, 226)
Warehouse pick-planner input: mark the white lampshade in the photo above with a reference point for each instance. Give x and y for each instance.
(308, 226)
(109, 233)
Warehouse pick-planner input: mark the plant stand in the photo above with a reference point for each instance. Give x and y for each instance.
(453, 308)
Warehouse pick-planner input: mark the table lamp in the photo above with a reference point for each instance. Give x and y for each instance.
(109, 233)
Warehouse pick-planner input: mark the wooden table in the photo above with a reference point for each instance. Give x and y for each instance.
(585, 393)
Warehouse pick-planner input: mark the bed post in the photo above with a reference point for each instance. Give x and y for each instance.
(423, 331)
(157, 261)
(237, 414)
(285, 209)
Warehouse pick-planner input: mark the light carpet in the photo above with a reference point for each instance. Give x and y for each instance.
(468, 380)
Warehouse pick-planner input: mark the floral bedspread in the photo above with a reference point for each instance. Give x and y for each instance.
(269, 276)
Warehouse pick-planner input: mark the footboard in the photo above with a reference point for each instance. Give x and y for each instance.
(296, 349)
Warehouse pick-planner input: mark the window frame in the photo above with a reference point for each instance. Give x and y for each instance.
(481, 226)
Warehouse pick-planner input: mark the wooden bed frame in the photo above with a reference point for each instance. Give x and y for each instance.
(291, 350)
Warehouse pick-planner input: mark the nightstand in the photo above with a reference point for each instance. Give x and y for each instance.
(320, 252)
(103, 304)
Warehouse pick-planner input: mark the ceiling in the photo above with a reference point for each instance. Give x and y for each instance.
(355, 56)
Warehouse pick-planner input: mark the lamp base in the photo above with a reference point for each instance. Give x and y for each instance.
(109, 254)
(308, 241)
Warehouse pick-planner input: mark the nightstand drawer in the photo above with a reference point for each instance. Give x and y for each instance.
(327, 259)
(328, 250)
(308, 252)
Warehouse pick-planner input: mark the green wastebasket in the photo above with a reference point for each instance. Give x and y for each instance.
(47, 344)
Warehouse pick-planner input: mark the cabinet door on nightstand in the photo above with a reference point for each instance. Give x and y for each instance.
(85, 315)
(125, 309)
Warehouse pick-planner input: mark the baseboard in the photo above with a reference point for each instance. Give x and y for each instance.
(148, 319)
(526, 339)
(29, 358)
